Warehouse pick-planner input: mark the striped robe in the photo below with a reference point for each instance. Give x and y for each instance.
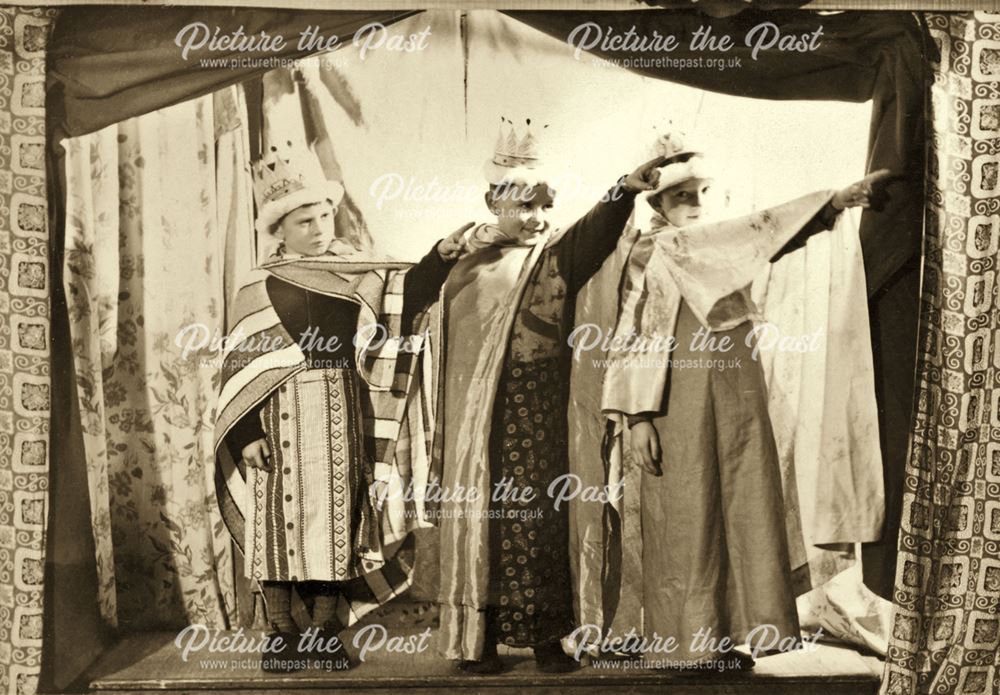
(260, 356)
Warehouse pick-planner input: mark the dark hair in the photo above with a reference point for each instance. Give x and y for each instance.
(508, 189)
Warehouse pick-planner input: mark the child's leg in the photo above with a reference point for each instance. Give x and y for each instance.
(278, 597)
(325, 606)
(760, 587)
(683, 564)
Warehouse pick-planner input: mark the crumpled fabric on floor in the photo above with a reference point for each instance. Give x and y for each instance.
(846, 610)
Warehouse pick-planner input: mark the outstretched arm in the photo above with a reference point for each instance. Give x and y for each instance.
(858, 194)
(423, 281)
(592, 238)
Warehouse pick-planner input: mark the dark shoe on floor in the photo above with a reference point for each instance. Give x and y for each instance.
(283, 659)
(550, 658)
(489, 665)
(327, 654)
(736, 661)
(733, 661)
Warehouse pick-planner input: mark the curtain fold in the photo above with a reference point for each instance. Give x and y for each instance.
(946, 621)
(233, 190)
(121, 62)
(151, 211)
(860, 56)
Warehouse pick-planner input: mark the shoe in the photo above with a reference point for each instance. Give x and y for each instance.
(737, 661)
(327, 655)
(489, 665)
(284, 660)
(733, 661)
(550, 658)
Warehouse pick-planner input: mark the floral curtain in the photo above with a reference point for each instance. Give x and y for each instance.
(24, 344)
(152, 206)
(946, 624)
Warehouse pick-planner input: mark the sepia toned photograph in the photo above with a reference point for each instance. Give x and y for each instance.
(622, 346)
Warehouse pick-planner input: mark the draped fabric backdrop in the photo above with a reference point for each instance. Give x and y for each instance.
(121, 63)
(865, 56)
(147, 215)
(946, 624)
(24, 344)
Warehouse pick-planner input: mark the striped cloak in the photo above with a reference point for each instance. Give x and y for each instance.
(260, 355)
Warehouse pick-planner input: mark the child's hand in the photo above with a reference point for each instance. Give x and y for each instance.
(256, 453)
(453, 245)
(646, 177)
(646, 447)
(859, 194)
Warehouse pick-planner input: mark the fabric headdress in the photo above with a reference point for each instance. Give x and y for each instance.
(288, 177)
(685, 160)
(517, 158)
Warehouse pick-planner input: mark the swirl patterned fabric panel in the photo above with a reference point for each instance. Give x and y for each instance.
(24, 344)
(946, 626)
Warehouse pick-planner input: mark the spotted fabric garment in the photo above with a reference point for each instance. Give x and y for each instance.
(531, 599)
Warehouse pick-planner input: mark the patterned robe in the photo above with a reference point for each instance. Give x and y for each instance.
(507, 313)
(337, 417)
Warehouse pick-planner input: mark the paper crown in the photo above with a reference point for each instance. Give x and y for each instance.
(686, 158)
(672, 142)
(288, 177)
(516, 158)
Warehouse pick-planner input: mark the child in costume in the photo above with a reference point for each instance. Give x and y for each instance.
(308, 416)
(508, 308)
(686, 382)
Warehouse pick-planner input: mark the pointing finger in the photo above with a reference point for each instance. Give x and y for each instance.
(654, 163)
(876, 177)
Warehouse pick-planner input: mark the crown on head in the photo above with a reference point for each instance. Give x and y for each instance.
(671, 142)
(512, 150)
(283, 170)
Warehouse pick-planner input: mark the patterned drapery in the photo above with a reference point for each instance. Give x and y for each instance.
(946, 624)
(150, 205)
(24, 344)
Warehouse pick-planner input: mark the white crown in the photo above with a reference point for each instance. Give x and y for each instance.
(511, 150)
(671, 142)
(287, 177)
(515, 155)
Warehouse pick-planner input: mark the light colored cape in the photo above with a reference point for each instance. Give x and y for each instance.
(821, 403)
(478, 305)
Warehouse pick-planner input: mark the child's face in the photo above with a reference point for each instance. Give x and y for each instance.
(686, 203)
(522, 212)
(308, 230)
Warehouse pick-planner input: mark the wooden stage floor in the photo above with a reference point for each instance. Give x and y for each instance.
(152, 663)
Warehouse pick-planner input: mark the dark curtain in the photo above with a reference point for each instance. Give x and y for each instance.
(860, 56)
(105, 67)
